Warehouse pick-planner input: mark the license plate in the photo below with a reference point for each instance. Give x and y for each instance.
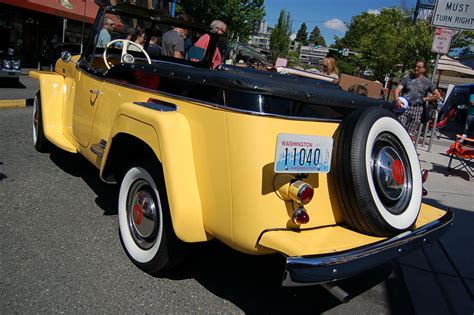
(303, 154)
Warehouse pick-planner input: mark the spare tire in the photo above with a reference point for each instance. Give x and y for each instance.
(376, 173)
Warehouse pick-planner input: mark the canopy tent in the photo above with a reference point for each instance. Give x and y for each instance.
(69, 9)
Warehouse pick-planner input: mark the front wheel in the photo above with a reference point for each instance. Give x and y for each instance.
(145, 223)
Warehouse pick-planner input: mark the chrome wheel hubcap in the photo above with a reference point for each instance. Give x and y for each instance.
(142, 214)
(391, 173)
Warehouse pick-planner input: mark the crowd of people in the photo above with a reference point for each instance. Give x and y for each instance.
(173, 42)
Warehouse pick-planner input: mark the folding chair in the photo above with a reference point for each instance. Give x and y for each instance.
(464, 156)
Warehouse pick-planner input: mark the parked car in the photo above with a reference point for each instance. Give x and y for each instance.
(10, 64)
(264, 162)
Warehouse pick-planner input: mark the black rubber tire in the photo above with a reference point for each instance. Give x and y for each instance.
(360, 202)
(171, 250)
(39, 139)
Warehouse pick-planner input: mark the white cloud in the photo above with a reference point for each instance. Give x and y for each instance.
(336, 25)
(373, 11)
(293, 36)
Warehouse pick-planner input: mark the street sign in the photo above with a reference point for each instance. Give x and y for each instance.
(442, 40)
(345, 52)
(454, 14)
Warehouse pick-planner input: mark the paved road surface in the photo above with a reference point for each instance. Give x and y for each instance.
(60, 252)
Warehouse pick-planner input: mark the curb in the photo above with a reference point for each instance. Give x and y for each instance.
(12, 103)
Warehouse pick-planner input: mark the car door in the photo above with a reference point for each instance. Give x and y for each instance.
(88, 96)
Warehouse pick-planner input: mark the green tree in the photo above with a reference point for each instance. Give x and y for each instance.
(239, 15)
(464, 40)
(280, 37)
(302, 34)
(385, 41)
(316, 37)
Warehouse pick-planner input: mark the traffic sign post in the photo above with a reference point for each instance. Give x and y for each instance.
(457, 14)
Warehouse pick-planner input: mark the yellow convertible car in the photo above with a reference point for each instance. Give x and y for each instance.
(264, 162)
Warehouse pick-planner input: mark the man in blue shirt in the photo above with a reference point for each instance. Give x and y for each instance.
(104, 35)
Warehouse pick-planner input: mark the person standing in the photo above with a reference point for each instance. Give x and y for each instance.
(217, 27)
(415, 89)
(153, 48)
(104, 35)
(172, 43)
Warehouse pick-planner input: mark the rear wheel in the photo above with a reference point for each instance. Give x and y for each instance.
(377, 173)
(145, 223)
(39, 139)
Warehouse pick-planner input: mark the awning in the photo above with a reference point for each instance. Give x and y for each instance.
(447, 64)
(70, 9)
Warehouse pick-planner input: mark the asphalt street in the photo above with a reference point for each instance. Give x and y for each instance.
(60, 251)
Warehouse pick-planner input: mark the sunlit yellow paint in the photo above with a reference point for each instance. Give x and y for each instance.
(218, 164)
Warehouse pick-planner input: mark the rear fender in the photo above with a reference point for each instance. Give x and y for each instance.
(168, 135)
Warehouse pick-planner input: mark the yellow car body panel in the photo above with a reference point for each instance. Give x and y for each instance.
(332, 239)
(53, 94)
(222, 160)
(168, 134)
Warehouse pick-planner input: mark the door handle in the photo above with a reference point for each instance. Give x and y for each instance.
(96, 92)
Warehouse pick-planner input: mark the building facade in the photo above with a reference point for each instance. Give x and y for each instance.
(261, 38)
(313, 56)
(38, 28)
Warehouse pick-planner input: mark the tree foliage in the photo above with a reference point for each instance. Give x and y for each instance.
(386, 42)
(316, 37)
(464, 41)
(239, 15)
(280, 37)
(302, 34)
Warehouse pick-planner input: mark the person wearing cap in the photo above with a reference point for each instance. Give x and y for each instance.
(217, 27)
(414, 89)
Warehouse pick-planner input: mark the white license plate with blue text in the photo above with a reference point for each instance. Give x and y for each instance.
(303, 154)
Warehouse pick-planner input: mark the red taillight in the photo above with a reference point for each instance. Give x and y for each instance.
(424, 175)
(306, 194)
(300, 192)
(300, 216)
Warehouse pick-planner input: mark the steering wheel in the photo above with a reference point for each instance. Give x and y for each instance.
(125, 57)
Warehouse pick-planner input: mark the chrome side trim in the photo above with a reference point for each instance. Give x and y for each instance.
(308, 270)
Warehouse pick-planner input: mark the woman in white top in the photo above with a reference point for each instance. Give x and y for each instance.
(139, 38)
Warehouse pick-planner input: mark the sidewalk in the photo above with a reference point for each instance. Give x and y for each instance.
(440, 277)
(25, 89)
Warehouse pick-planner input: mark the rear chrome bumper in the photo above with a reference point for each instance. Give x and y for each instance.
(307, 270)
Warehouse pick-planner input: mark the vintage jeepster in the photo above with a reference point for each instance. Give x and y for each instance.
(264, 162)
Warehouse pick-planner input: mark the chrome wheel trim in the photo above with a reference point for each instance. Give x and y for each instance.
(142, 216)
(35, 119)
(391, 172)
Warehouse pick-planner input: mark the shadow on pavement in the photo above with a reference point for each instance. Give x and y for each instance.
(78, 166)
(440, 277)
(253, 283)
(419, 284)
(11, 84)
(443, 170)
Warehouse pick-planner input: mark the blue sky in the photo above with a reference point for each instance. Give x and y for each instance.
(326, 14)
